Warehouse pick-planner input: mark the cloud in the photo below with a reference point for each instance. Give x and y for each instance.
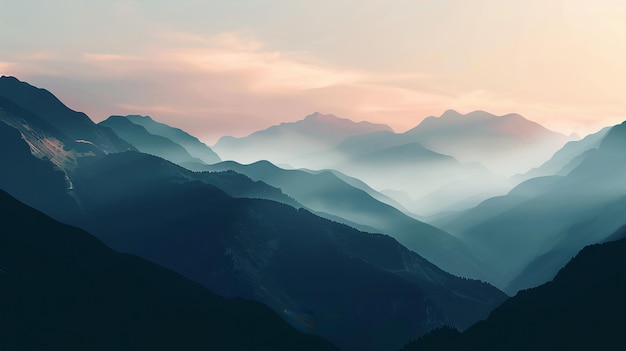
(233, 83)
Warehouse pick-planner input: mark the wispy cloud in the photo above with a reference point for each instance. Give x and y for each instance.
(232, 83)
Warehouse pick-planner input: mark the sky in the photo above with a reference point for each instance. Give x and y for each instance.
(231, 67)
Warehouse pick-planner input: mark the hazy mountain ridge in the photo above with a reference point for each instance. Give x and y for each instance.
(324, 192)
(219, 228)
(564, 160)
(419, 174)
(558, 214)
(581, 309)
(287, 258)
(146, 142)
(442, 157)
(48, 142)
(63, 289)
(290, 142)
(191, 144)
(264, 250)
(505, 144)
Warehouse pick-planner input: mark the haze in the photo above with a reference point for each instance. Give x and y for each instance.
(232, 67)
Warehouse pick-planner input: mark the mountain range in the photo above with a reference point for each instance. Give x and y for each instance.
(368, 244)
(292, 143)
(192, 145)
(75, 129)
(244, 238)
(548, 219)
(159, 139)
(506, 145)
(332, 197)
(62, 289)
(293, 261)
(446, 163)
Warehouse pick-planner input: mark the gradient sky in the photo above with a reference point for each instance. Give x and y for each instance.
(230, 67)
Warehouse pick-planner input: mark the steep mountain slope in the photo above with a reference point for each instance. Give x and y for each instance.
(331, 197)
(291, 142)
(136, 171)
(191, 144)
(549, 218)
(64, 290)
(46, 141)
(36, 182)
(148, 143)
(581, 309)
(75, 125)
(358, 290)
(254, 248)
(567, 158)
(31, 181)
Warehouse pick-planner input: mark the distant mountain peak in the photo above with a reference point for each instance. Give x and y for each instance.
(10, 78)
(287, 143)
(450, 113)
(474, 115)
(322, 118)
(140, 116)
(319, 115)
(191, 144)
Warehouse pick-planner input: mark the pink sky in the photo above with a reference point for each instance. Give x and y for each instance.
(229, 69)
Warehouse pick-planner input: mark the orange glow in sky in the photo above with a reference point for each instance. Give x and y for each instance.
(229, 68)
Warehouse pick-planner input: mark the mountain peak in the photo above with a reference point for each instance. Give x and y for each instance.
(10, 78)
(147, 118)
(72, 124)
(318, 116)
(339, 122)
(450, 114)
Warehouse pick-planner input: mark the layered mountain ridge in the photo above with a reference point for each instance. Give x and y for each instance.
(337, 247)
(64, 289)
(244, 238)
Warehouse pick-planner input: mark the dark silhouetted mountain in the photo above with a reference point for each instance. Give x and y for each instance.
(36, 182)
(126, 174)
(75, 125)
(534, 230)
(47, 188)
(193, 146)
(290, 143)
(62, 289)
(45, 140)
(148, 143)
(581, 309)
(331, 197)
(49, 144)
(358, 290)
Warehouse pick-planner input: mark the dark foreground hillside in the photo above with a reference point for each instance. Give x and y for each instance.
(583, 308)
(62, 289)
